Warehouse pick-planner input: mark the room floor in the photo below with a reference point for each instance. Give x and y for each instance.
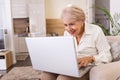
(20, 63)
(26, 62)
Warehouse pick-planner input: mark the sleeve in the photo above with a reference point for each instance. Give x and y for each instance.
(103, 47)
(65, 33)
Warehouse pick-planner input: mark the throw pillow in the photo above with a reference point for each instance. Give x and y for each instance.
(115, 50)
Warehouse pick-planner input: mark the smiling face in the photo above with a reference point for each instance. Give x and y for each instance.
(75, 28)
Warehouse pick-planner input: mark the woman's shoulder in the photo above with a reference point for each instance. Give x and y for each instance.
(93, 27)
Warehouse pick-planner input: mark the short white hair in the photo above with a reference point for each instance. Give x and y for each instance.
(73, 12)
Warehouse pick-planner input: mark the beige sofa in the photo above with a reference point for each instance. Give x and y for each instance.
(110, 71)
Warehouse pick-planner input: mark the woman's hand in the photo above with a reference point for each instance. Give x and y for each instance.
(83, 62)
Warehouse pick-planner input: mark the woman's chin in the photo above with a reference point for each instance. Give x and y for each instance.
(72, 34)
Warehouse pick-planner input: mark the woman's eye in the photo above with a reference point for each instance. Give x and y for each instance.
(71, 24)
(65, 24)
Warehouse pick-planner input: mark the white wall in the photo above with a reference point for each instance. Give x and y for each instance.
(9, 26)
(37, 16)
(114, 6)
(2, 14)
(53, 8)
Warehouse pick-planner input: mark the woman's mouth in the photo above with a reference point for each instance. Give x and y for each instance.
(72, 32)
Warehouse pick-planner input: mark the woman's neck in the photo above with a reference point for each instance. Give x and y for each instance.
(79, 36)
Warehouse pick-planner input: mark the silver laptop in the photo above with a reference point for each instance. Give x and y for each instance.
(53, 54)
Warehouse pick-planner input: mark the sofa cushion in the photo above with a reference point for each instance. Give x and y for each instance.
(115, 50)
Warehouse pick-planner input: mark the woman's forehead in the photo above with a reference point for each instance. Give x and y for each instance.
(68, 21)
(69, 18)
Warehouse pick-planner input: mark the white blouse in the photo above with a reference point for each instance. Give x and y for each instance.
(93, 42)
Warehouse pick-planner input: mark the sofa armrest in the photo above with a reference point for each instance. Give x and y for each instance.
(110, 71)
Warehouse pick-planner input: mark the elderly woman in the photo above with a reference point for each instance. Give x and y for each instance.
(92, 45)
